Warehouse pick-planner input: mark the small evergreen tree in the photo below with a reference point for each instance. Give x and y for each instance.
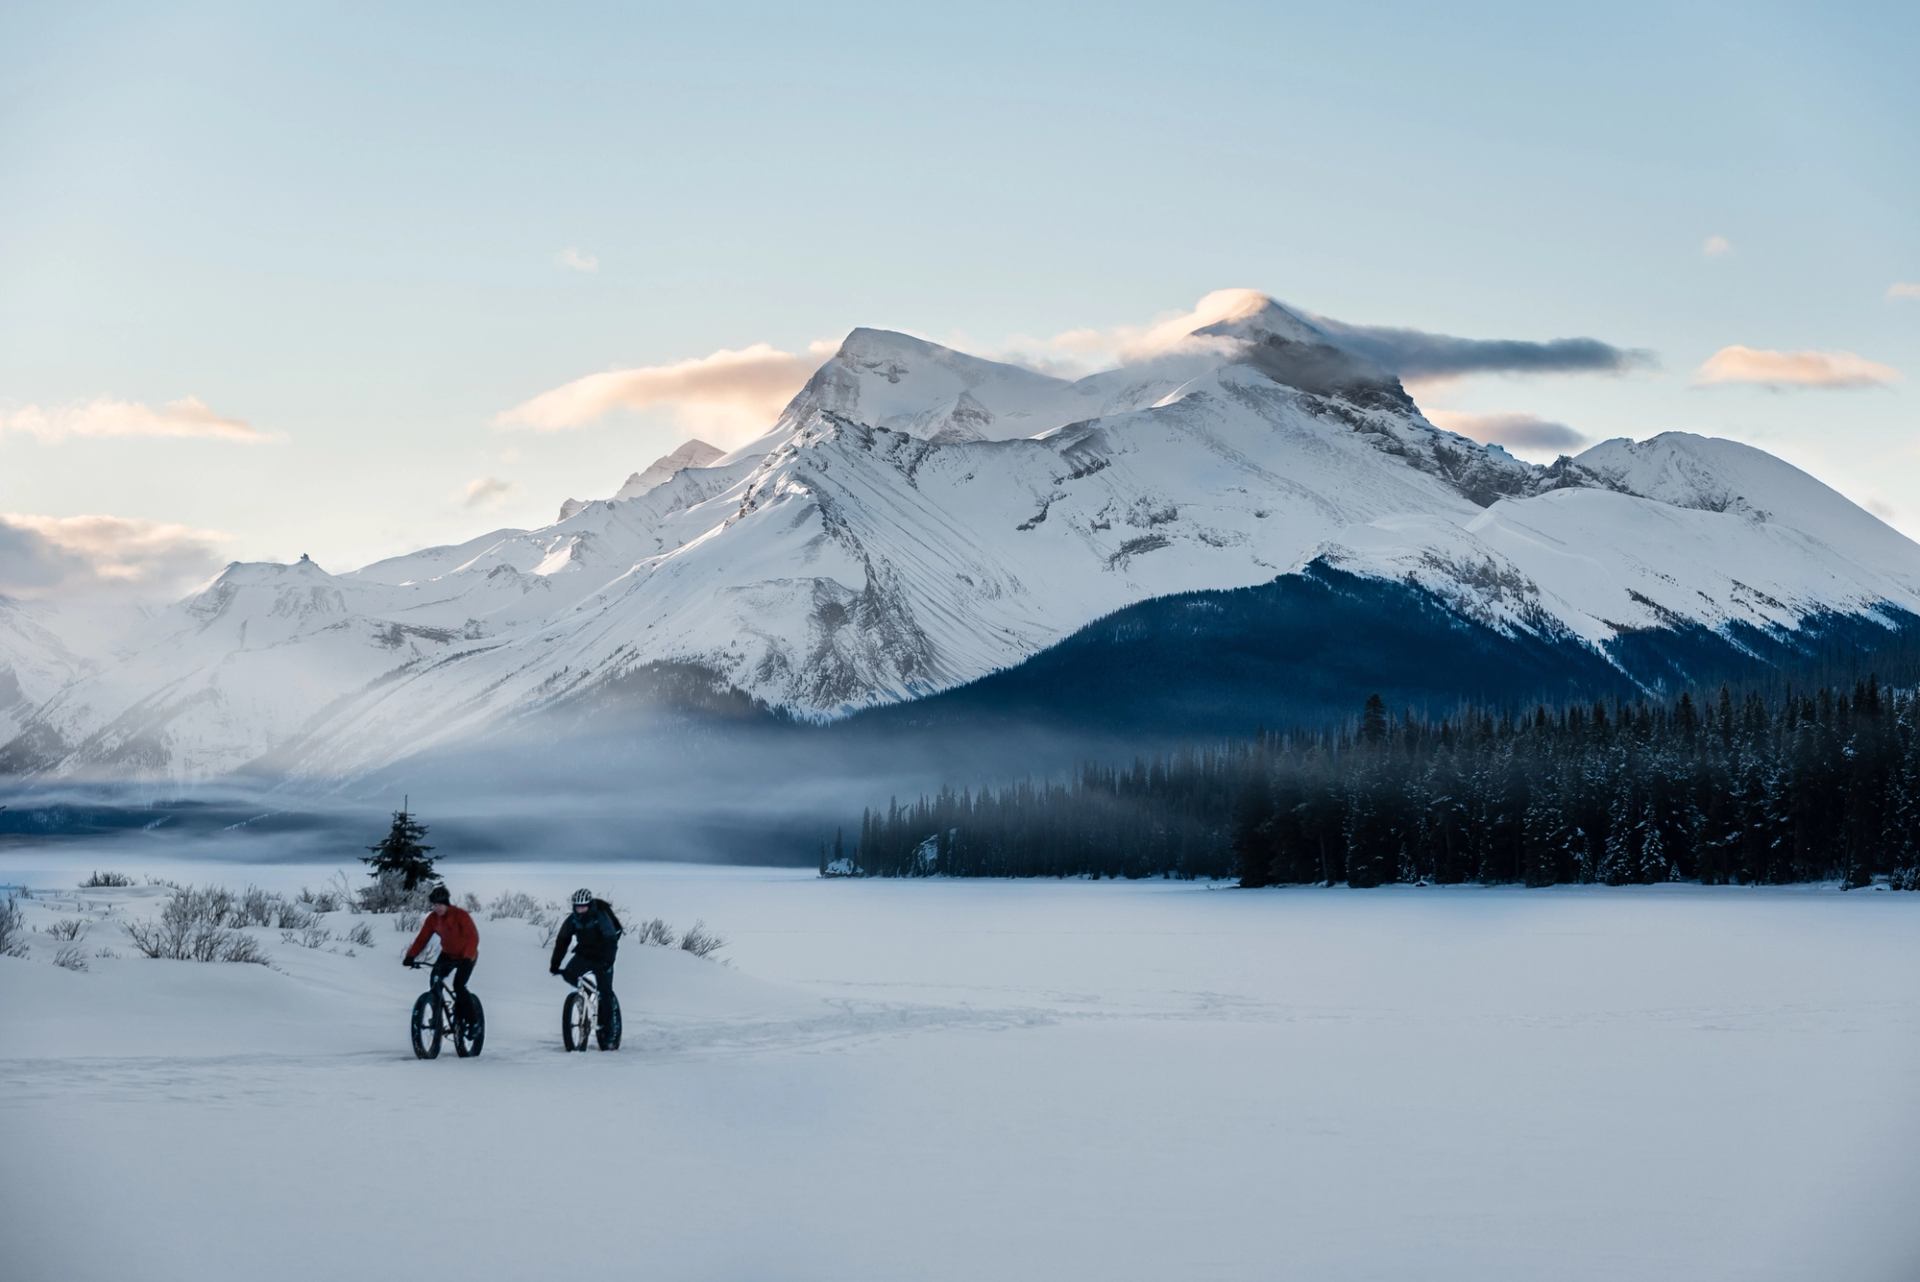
(1653, 849)
(1373, 721)
(401, 853)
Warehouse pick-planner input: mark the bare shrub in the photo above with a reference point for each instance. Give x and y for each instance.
(472, 902)
(339, 891)
(68, 929)
(196, 925)
(291, 916)
(512, 904)
(361, 934)
(106, 880)
(654, 931)
(12, 931)
(700, 941)
(256, 907)
(324, 900)
(105, 954)
(242, 948)
(389, 894)
(311, 937)
(408, 922)
(70, 958)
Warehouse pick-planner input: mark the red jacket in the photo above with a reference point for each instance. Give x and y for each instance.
(459, 937)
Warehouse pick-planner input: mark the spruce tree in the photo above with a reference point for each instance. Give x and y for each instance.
(1653, 848)
(1253, 818)
(400, 854)
(1373, 721)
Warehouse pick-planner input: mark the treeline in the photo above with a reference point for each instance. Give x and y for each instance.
(1783, 786)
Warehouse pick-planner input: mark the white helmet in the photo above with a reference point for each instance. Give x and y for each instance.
(582, 897)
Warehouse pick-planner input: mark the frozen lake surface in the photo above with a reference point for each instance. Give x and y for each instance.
(1007, 1080)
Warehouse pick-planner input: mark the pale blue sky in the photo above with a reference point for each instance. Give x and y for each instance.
(341, 224)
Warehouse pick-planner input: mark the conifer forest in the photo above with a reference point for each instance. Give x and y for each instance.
(1793, 784)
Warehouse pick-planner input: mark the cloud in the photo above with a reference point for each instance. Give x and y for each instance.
(1716, 247)
(43, 555)
(186, 417)
(1782, 370)
(1074, 352)
(578, 260)
(728, 393)
(485, 491)
(1903, 289)
(732, 395)
(1516, 431)
(1408, 353)
(1417, 354)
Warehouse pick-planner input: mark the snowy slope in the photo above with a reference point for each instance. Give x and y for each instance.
(918, 517)
(1712, 475)
(1699, 531)
(36, 660)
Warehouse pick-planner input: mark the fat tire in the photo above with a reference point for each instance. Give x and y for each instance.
(613, 1025)
(471, 1034)
(574, 1011)
(422, 1027)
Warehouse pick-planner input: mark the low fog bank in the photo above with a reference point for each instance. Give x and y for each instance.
(764, 794)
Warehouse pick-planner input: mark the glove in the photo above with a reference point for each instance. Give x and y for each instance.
(409, 963)
(553, 970)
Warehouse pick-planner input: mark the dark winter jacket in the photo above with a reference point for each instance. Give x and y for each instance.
(596, 931)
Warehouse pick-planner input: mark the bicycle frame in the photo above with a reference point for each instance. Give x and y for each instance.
(584, 1017)
(444, 1002)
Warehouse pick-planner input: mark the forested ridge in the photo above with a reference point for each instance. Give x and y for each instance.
(1765, 785)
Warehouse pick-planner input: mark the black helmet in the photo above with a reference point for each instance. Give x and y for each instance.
(439, 895)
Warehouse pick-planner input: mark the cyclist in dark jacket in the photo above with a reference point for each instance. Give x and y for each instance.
(594, 931)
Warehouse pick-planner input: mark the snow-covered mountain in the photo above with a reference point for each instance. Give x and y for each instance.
(917, 517)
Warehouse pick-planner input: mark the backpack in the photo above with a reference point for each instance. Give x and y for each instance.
(607, 908)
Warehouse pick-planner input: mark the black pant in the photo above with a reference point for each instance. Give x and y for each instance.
(459, 968)
(603, 976)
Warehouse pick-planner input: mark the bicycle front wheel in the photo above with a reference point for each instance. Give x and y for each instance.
(575, 1028)
(426, 1030)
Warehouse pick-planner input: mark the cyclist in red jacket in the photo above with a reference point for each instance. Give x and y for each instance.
(459, 947)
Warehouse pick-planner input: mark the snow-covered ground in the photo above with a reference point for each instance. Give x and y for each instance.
(988, 1080)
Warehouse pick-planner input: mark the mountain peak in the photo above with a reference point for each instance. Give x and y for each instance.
(691, 453)
(1252, 316)
(865, 343)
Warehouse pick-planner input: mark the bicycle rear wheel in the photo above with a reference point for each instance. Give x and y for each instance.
(574, 1023)
(426, 1032)
(471, 1032)
(613, 1025)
